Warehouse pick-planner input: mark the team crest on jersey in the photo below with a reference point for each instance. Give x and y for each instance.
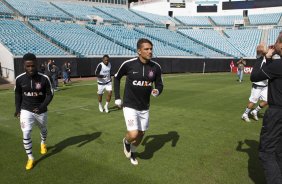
(38, 85)
(151, 74)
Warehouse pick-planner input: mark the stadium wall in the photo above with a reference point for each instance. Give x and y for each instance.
(162, 7)
(85, 67)
(7, 64)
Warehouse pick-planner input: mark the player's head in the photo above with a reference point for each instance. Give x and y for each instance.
(261, 50)
(30, 64)
(106, 59)
(278, 45)
(145, 49)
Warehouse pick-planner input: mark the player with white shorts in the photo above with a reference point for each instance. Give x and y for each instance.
(33, 93)
(104, 80)
(259, 90)
(143, 79)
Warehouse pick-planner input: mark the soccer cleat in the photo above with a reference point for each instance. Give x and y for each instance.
(126, 149)
(254, 113)
(245, 118)
(43, 149)
(101, 108)
(29, 164)
(133, 159)
(106, 109)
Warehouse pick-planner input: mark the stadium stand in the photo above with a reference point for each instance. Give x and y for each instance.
(194, 20)
(124, 15)
(273, 35)
(4, 10)
(37, 9)
(20, 39)
(265, 19)
(129, 37)
(226, 20)
(245, 40)
(156, 19)
(83, 12)
(213, 39)
(180, 41)
(79, 40)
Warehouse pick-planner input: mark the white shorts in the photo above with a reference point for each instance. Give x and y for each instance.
(27, 119)
(101, 88)
(136, 120)
(258, 93)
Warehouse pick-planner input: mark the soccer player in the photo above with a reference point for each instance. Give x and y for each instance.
(104, 80)
(141, 73)
(259, 89)
(33, 93)
(270, 148)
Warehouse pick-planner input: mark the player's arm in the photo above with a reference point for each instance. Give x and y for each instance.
(98, 70)
(48, 98)
(262, 71)
(18, 98)
(117, 77)
(158, 83)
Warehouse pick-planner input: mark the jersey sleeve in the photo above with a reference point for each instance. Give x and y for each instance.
(18, 96)
(120, 73)
(258, 72)
(159, 81)
(98, 70)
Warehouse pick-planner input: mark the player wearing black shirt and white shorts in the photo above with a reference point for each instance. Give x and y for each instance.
(270, 147)
(259, 89)
(104, 80)
(33, 93)
(143, 78)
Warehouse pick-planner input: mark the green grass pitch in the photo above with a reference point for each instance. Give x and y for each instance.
(193, 138)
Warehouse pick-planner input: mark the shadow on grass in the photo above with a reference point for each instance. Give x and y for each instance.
(114, 108)
(254, 167)
(57, 148)
(154, 143)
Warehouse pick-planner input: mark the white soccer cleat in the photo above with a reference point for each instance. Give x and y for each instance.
(101, 108)
(245, 118)
(126, 149)
(255, 115)
(133, 159)
(106, 109)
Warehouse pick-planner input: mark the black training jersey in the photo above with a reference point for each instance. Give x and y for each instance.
(33, 92)
(272, 70)
(139, 82)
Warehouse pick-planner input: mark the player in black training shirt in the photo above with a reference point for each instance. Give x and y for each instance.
(33, 93)
(270, 148)
(143, 78)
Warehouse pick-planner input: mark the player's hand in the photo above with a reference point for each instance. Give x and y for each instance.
(271, 52)
(155, 92)
(118, 102)
(17, 114)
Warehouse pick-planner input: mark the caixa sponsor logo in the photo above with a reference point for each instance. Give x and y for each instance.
(141, 83)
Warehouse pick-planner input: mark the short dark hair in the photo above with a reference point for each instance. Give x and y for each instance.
(106, 56)
(29, 57)
(143, 40)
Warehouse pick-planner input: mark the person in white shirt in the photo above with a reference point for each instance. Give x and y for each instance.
(104, 80)
(259, 90)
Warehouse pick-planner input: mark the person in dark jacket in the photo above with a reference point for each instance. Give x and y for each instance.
(270, 148)
(143, 78)
(33, 93)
